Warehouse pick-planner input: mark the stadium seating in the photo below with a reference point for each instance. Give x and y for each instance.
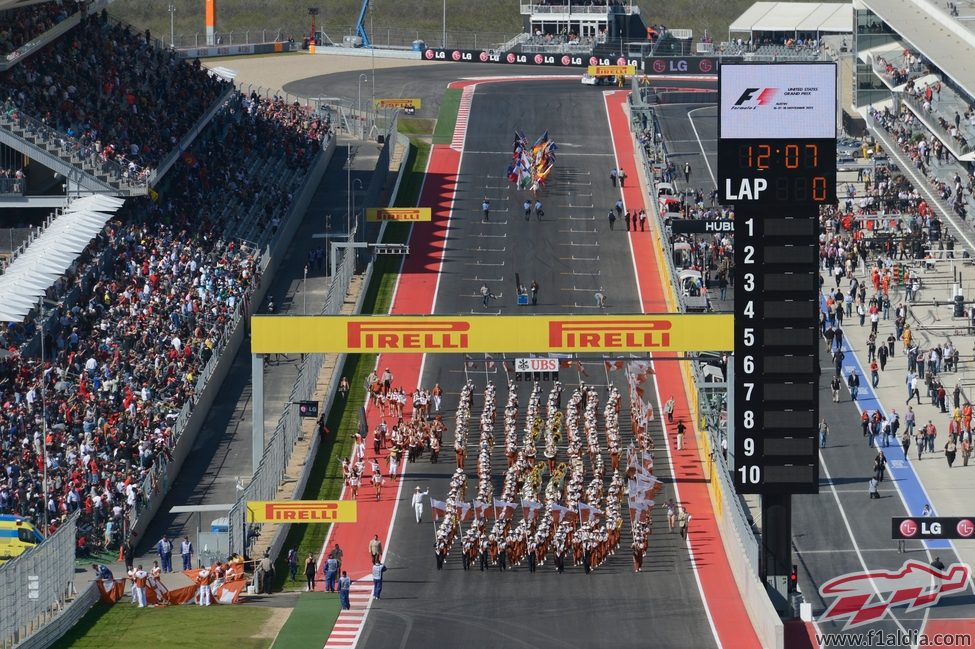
(109, 95)
(23, 24)
(124, 359)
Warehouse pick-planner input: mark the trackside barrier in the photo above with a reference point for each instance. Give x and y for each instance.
(278, 449)
(737, 534)
(35, 587)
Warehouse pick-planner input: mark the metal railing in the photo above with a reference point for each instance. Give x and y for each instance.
(942, 127)
(277, 450)
(242, 36)
(35, 586)
(156, 175)
(118, 171)
(711, 404)
(381, 37)
(579, 8)
(13, 186)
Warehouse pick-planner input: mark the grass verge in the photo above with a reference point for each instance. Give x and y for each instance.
(325, 481)
(416, 125)
(175, 627)
(310, 623)
(447, 117)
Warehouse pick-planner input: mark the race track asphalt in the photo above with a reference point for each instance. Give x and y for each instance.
(423, 607)
(840, 530)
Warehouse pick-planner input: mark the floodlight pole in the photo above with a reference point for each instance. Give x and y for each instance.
(257, 410)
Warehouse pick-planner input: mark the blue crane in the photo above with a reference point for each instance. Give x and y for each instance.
(360, 25)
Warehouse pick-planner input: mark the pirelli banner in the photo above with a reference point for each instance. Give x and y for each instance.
(487, 334)
(405, 102)
(301, 511)
(611, 70)
(409, 214)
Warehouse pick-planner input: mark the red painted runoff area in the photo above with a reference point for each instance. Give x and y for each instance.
(721, 596)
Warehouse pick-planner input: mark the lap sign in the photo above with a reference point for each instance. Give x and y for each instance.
(537, 365)
(749, 190)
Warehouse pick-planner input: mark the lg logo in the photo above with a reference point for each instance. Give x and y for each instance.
(909, 528)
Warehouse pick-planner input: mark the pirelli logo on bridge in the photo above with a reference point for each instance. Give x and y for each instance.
(301, 511)
(491, 334)
(607, 334)
(409, 335)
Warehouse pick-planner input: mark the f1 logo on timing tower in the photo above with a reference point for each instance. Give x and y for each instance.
(764, 97)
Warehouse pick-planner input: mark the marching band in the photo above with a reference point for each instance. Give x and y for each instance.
(564, 515)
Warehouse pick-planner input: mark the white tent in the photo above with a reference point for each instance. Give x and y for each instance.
(52, 253)
(806, 17)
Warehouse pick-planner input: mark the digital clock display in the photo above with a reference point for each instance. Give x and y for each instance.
(779, 171)
(791, 156)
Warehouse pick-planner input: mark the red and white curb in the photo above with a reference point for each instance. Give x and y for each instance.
(350, 622)
(463, 114)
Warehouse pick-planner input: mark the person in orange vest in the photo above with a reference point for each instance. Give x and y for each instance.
(203, 580)
(139, 579)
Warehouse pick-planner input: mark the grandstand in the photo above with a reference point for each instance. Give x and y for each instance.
(101, 364)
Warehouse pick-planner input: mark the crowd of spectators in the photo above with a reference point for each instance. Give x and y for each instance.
(919, 147)
(123, 361)
(22, 24)
(112, 93)
(898, 71)
(927, 98)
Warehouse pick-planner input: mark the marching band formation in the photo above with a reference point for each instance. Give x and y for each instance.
(570, 512)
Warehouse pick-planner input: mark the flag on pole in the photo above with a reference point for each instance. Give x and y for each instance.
(530, 509)
(439, 508)
(465, 512)
(481, 509)
(581, 369)
(471, 365)
(489, 361)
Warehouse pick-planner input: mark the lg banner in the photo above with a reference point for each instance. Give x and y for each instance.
(930, 527)
(518, 58)
(682, 65)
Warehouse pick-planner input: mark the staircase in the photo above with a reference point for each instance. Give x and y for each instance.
(66, 156)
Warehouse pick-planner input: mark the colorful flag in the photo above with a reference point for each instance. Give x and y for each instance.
(530, 509)
(481, 509)
(438, 507)
(465, 511)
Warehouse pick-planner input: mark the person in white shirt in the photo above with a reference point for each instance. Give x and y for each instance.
(417, 503)
(139, 579)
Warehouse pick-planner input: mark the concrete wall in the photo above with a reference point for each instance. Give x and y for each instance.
(369, 52)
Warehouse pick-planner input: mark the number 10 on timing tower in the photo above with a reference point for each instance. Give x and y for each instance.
(777, 166)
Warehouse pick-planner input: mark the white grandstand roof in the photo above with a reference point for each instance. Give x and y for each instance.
(937, 36)
(14, 4)
(48, 257)
(832, 17)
